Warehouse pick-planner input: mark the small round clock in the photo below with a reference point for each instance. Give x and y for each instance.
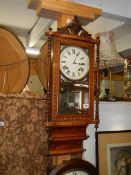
(74, 62)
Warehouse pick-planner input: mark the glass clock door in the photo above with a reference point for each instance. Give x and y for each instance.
(74, 85)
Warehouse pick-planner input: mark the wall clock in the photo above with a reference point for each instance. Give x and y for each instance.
(74, 167)
(70, 91)
(74, 62)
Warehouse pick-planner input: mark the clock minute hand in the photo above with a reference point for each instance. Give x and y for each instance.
(74, 62)
(77, 54)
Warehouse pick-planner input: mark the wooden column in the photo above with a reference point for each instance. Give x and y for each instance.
(63, 20)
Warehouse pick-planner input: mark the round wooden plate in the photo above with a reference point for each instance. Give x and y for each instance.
(14, 65)
(43, 66)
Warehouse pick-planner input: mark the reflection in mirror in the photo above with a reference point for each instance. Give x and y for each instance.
(73, 101)
(34, 85)
(111, 69)
(127, 79)
(112, 83)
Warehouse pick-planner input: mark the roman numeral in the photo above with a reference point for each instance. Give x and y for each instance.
(68, 52)
(68, 72)
(81, 58)
(83, 64)
(63, 61)
(65, 67)
(73, 51)
(81, 69)
(78, 54)
(73, 74)
(64, 56)
(78, 73)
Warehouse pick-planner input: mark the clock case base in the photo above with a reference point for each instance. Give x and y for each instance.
(65, 138)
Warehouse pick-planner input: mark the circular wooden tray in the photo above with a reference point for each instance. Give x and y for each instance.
(14, 66)
(43, 66)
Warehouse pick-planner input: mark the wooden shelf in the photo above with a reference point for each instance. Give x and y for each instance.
(66, 152)
(67, 138)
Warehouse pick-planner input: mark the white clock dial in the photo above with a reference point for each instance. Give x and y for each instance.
(74, 62)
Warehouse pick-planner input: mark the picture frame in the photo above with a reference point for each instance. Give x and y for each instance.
(113, 152)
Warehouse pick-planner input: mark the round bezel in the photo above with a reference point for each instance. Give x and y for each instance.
(74, 62)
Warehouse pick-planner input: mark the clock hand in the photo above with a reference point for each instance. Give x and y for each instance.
(82, 64)
(74, 62)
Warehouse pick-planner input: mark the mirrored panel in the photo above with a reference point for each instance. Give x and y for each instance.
(112, 83)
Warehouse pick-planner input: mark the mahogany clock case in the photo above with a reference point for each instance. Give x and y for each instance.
(70, 100)
(59, 82)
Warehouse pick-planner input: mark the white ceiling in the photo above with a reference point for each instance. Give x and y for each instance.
(30, 29)
(115, 7)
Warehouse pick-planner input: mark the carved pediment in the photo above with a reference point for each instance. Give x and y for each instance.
(74, 28)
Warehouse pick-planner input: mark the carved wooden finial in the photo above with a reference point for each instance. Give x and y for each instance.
(74, 28)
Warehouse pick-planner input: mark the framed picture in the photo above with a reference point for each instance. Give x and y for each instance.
(113, 152)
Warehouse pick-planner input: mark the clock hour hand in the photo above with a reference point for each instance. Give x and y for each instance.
(74, 62)
(81, 64)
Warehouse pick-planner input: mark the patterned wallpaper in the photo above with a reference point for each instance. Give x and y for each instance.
(23, 139)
